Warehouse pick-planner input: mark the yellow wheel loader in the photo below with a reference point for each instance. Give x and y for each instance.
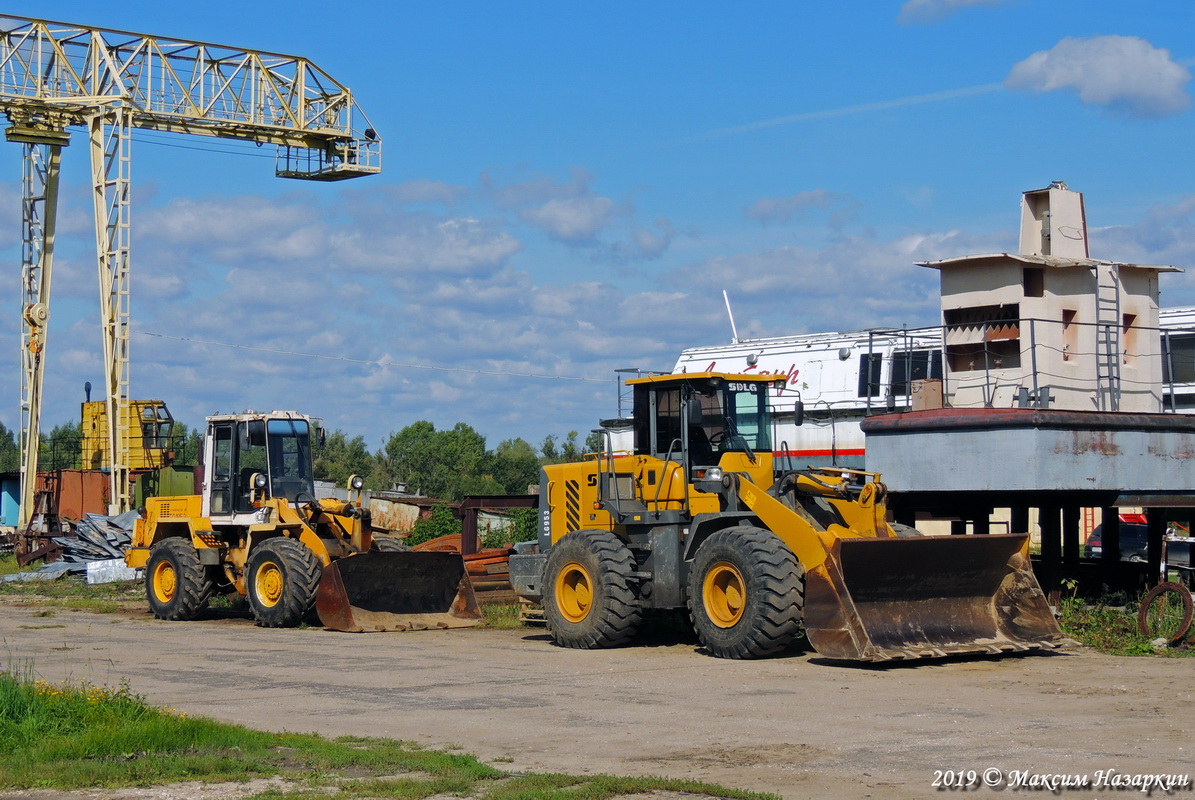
(257, 529)
(698, 518)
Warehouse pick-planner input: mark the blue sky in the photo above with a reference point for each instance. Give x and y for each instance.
(568, 189)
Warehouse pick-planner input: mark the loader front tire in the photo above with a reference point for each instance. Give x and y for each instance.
(282, 577)
(746, 593)
(176, 585)
(383, 543)
(590, 594)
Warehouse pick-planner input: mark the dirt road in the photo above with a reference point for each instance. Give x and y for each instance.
(795, 725)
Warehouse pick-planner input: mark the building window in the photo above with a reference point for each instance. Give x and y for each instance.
(1128, 339)
(1178, 365)
(983, 337)
(1033, 280)
(914, 365)
(1070, 334)
(869, 374)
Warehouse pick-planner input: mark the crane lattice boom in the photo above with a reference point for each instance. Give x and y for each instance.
(56, 75)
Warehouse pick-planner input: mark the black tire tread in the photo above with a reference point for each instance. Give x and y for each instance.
(384, 543)
(301, 573)
(195, 587)
(775, 585)
(616, 616)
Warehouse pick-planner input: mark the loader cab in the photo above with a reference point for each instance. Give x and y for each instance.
(277, 446)
(697, 418)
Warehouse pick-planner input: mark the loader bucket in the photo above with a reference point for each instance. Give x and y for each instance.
(397, 592)
(927, 597)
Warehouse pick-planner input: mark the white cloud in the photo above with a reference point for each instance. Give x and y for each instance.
(851, 283)
(927, 11)
(572, 213)
(535, 190)
(460, 314)
(425, 191)
(783, 209)
(574, 220)
(1123, 74)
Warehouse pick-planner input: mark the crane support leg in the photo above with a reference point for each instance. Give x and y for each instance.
(39, 210)
(110, 162)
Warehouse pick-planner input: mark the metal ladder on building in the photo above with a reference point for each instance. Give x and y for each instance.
(1107, 336)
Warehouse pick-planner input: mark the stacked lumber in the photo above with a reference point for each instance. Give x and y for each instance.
(489, 568)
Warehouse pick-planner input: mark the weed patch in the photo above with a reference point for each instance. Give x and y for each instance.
(502, 616)
(1110, 625)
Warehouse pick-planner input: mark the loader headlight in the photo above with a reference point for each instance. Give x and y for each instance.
(356, 483)
(259, 481)
(710, 474)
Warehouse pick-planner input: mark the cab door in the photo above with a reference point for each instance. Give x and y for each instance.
(221, 492)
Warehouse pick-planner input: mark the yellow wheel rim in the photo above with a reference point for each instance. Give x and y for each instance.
(574, 592)
(268, 584)
(725, 594)
(165, 581)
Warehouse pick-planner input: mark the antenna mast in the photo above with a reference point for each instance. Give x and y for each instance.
(733, 330)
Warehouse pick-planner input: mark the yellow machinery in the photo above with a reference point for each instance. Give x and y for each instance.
(148, 424)
(258, 530)
(698, 517)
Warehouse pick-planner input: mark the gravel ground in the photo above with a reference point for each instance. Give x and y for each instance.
(796, 725)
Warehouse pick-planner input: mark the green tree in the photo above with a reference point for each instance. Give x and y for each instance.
(549, 452)
(186, 444)
(341, 457)
(569, 451)
(440, 522)
(515, 466)
(10, 451)
(405, 457)
(444, 464)
(62, 448)
(593, 442)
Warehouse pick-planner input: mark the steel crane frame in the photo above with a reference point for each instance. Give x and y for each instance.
(55, 76)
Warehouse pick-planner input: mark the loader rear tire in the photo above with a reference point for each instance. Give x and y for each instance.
(282, 577)
(590, 594)
(746, 593)
(177, 586)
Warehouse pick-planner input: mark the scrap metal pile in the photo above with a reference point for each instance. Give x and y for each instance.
(96, 538)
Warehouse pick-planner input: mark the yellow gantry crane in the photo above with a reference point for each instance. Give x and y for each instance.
(56, 76)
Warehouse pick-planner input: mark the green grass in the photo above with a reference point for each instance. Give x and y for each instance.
(71, 591)
(1110, 626)
(77, 735)
(502, 616)
(8, 564)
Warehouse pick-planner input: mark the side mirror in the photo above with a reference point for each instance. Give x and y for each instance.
(799, 413)
(256, 433)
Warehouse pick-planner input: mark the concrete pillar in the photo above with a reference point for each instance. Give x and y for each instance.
(1049, 518)
(1110, 542)
(1070, 535)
